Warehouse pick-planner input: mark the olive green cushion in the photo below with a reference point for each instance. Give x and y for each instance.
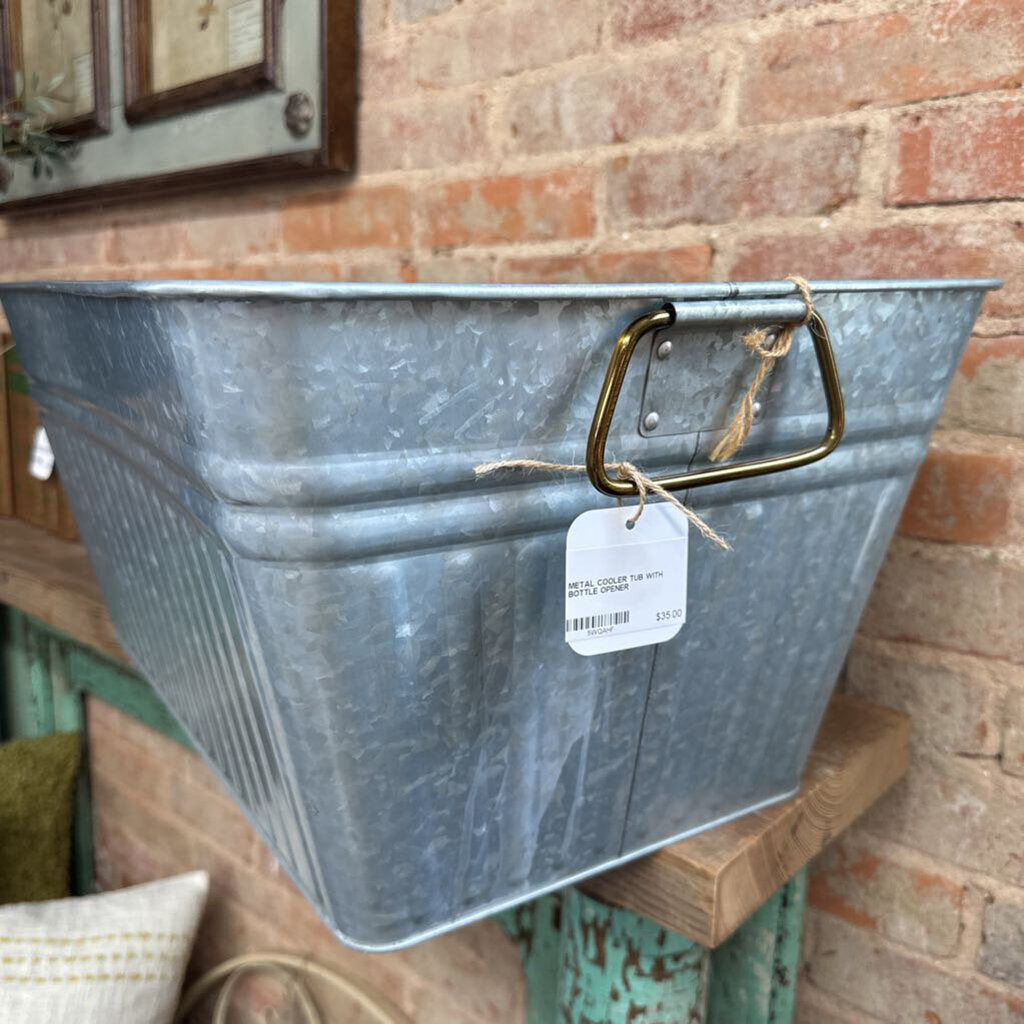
(37, 778)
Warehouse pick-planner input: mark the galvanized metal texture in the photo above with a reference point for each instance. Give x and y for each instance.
(275, 484)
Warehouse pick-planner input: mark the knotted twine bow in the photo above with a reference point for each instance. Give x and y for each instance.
(738, 430)
(735, 435)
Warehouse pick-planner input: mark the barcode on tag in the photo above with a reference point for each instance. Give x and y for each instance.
(40, 461)
(596, 621)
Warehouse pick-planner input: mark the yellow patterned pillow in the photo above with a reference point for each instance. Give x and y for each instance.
(115, 958)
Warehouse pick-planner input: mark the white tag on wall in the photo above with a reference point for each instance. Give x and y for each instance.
(40, 460)
(625, 587)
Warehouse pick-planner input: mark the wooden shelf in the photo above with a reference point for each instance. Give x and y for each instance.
(51, 580)
(703, 887)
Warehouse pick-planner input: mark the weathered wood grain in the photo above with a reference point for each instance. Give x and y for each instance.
(706, 886)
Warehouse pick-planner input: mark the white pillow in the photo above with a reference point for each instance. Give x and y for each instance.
(115, 958)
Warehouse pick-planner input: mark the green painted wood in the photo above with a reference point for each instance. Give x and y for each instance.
(619, 968)
(40, 686)
(753, 974)
(68, 712)
(89, 673)
(789, 949)
(28, 697)
(589, 963)
(536, 927)
(38, 701)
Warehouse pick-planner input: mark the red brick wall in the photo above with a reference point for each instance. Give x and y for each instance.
(687, 139)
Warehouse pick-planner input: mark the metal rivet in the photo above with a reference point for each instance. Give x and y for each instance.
(756, 410)
(665, 350)
(651, 421)
(298, 114)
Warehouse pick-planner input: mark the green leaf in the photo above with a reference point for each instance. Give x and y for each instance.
(37, 166)
(55, 82)
(45, 105)
(19, 83)
(35, 81)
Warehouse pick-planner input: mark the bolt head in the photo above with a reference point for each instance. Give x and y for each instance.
(298, 114)
(651, 421)
(757, 409)
(665, 350)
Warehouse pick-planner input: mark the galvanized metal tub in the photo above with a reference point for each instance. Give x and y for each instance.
(275, 483)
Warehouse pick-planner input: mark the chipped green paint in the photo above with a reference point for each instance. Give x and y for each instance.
(620, 968)
(753, 974)
(536, 928)
(788, 948)
(589, 963)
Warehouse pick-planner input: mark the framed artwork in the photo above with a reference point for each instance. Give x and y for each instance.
(213, 92)
(181, 56)
(53, 58)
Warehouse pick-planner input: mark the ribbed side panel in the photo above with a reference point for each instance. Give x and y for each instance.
(158, 565)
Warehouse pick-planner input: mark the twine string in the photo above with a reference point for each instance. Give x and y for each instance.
(626, 471)
(769, 353)
(761, 343)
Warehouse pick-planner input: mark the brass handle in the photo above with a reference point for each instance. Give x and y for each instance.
(602, 422)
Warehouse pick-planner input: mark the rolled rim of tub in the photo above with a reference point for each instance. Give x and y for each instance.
(303, 291)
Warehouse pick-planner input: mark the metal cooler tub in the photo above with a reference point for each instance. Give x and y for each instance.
(275, 483)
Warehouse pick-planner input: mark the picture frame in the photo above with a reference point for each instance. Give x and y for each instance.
(288, 113)
(164, 80)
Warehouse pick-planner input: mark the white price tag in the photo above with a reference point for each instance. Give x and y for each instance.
(40, 460)
(625, 587)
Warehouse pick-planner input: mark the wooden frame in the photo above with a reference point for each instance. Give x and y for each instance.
(82, 125)
(143, 104)
(321, 85)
